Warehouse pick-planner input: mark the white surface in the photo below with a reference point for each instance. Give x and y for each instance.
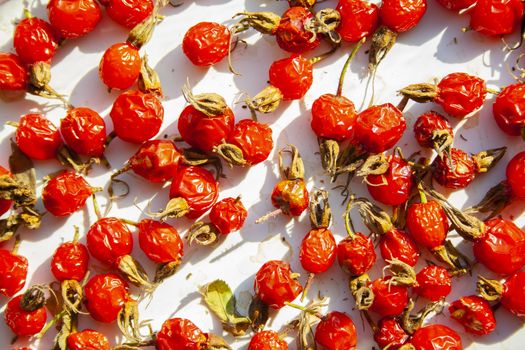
(427, 52)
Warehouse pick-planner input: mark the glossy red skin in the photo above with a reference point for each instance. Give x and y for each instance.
(274, 284)
(318, 250)
(516, 175)
(254, 139)
(433, 283)
(129, 13)
(390, 334)
(389, 300)
(291, 196)
(181, 334)
(119, 67)
(13, 73)
(267, 340)
(359, 19)
(379, 128)
(394, 186)
(108, 239)
(427, 223)
(436, 336)
(509, 109)
(333, 117)
(5, 205)
(24, 323)
(336, 331)
(34, 40)
(70, 262)
(137, 116)
(156, 160)
(13, 272)
(203, 132)
(160, 242)
(198, 187)
(474, 314)
(356, 255)
(291, 35)
(496, 17)
(228, 215)
(66, 193)
(513, 298)
(84, 131)
(74, 18)
(427, 124)
(293, 76)
(105, 295)
(502, 248)
(206, 43)
(397, 244)
(456, 5)
(461, 94)
(87, 339)
(37, 137)
(402, 15)
(455, 171)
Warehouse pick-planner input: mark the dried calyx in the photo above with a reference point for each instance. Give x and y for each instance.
(149, 81)
(128, 322)
(231, 154)
(363, 295)
(412, 322)
(375, 164)
(319, 211)
(135, 273)
(402, 273)
(494, 201)
(421, 93)
(442, 141)
(486, 160)
(326, 21)
(176, 208)
(263, 22)
(202, 233)
(166, 270)
(375, 219)
(296, 169)
(39, 79)
(490, 290)
(382, 41)
(258, 313)
(210, 104)
(34, 298)
(448, 254)
(266, 101)
(310, 314)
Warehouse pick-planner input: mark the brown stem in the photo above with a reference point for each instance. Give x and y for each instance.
(268, 216)
(307, 285)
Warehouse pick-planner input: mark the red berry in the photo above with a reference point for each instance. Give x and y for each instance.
(456, 5)
(13, 73)
(5, 204)
(474, 313)
(206, 43)
(34, 40)
(396, 244)
(389, 300)
(427, 223)
(181, 334)
(402, 15)
(137, 116)
(275, 284)
(291, 34)
(395, 185)
(66, 193)
(24, 323)
(379, 128)
(390, 334)
(87, 339)
(359, 19)
(318, 250)
(336, 331)
(198, 187)
(454, 170)
(129, 13)
(13, 272)
(267, 340)
(70, 261)
(74, 18)
(108, 239)
(356, 255)
(429, 126)
(105, 295)
(516, 175)
(496, 17)
(293, 76)
(333, 117)
(156, 160)
(436, 336)
(203, 132)
(502, 248)
(37, 137)
(291, 196)
(84, 131)
(254, 139)
(461, 94)
(513, 298)
(160, 242)
(228, 215)
(509, 109)
(120, 66)
(433, 283)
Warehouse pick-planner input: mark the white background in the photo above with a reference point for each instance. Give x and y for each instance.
(425, 53)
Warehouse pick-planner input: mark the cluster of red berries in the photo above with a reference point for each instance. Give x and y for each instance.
(351, 142)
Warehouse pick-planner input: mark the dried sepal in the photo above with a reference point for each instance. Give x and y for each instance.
(449, 255)
(142, 32)
(421, 93)
(197, 158)
(149, 81)
(412, 322)
(296, 169)
(302, 3)
(203, 234)
(210, 104)
(34, 298)
(258, 313)
(375, 219)
(176, 208)
(402, 273)
(67, 157)
(23, 171)
(441, 141)
(128, 321)
(376, 164)
(39, 79)
(135, 273)
(220, 299)
(325, 21)
(266, 101)
(166, 270)
(308, 317)
(382, 41)
(363, 295)
(490, 290)
(231, 153)
(488, 159)
(494, 201)
(329, 151)
(72, 294)
(263, 22)
(216, 342)
(319, 209)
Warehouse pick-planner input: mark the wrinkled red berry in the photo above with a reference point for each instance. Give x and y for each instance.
(84, 131)
(206, 43)
(228, 215)
(293, 76)
(66, 193)
(275, 284)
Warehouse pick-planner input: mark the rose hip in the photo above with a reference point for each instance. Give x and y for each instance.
(291, 34)
(509, 110)
(427, 223)
(129, 13)
(435, 336)
(84, 131)
(66, 193)
(87, 339)
(496, 17)
(267, 340)
(456, 5)
(356, 254)
(228, 215)
(70, 260)
(397, 244)
(395, 185)
(74, 18)
(336, 331)
(22, 321)
(34, 40)
(359, 19)
(455, 169)
(254, 139)
(179, 334)
(389, 299)
(333, 117)
(390, 334)
(13, 73)
(433, 283)
(432, 130)
(108, 239)
(292, 76)
(13, 271)
(402, 15)
(275, 284)
(206, 43)
(105, 296)
(120, 66)
(510, 293)
(37, 137)
(474, 314)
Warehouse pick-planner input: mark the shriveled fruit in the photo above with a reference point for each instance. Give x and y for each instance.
(275, 284)
(474, 314)
(206, 43)
(74, 18)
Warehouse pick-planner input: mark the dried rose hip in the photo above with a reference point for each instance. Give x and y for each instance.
(456, 5)
(516, 175)
(292, 76)
(24, 320)
(389, 299)
(395, 185)
(108, 239)
(267, 340)
(275, 284)
(5, 204)
(70, 260)
(120, 66)
(34, 40)
(13, 271)
(390, 334)
(509, 110)
(333, 117)
(105, 296)
(359, 19)
(496, 17)
(427, 223)
(402, 15)
(13, 73)
(356, 254)
(66, 193)
(433, 283)
(291, 34)
(510, 293)
(474, 313)
(87, 339)
(432, 130)
(228, 215)
(129, 13)
(336, 331)
(137, 116)
(436, 336)
(37, 137)
(74, 18)
(179, 334)
(84, 131)
(206, 43)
